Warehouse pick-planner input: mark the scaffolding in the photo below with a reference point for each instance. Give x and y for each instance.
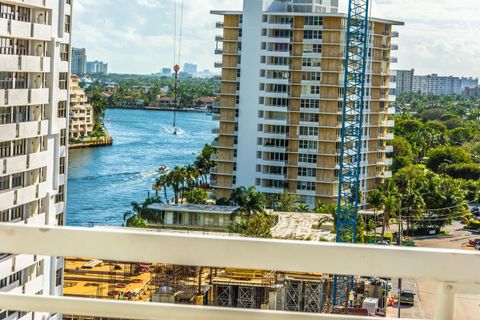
(314, 297)
(293, 296)
(247, 298)
(224, 296)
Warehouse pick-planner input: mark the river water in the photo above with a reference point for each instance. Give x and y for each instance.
(103, 181)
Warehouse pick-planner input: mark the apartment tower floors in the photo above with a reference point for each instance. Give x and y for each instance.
(281, 103)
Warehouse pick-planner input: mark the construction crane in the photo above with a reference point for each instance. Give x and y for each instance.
(352, 129)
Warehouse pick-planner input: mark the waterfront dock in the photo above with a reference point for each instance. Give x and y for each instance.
(106, 142)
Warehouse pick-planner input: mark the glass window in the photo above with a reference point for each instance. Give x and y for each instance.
(5, 115)
(6, 46)
(17, 213)
(4, 183)
(17, 180)
(6, 80)
(5, 149)
(7, 11)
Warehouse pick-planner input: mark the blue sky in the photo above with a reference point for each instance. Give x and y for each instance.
(135, 36)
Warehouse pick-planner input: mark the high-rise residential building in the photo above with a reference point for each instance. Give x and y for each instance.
(97, 67)
(437, 85)
(469, 82)
(34, 76)
(190, 68)
(81, 112)
(166, 72)
(79, 61)
(281, 101)
(405, 81)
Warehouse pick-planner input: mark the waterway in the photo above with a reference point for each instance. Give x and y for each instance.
(102, 182)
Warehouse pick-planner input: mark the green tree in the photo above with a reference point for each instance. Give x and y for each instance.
(162, 182)
(450, 155)
(287, 202)
(461, 135)
(176, 180)
(204, 163)
(467, 171)
(375, 199)
(251, 201)
(258, 226)
(390, 204)
(141, 212)
(302, 207)
(197, 196)
(99, 108)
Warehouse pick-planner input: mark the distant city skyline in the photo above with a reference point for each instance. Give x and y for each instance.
(439, 36)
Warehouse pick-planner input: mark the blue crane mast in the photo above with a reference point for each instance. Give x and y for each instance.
(356, 52)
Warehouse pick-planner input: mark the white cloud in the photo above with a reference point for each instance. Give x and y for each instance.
(136, 36)
(150, 3)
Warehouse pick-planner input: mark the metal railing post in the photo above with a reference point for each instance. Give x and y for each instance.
(445, 302)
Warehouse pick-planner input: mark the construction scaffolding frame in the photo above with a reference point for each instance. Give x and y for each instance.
(224, 296)
(314, 296)
(293, 295)
(247, 297)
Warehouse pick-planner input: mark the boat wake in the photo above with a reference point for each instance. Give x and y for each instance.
(171, 130)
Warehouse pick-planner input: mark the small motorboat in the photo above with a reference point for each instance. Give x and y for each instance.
(163, 169)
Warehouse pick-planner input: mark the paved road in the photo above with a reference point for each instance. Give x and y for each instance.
(468, 307)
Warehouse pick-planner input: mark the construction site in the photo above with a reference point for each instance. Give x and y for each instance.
(230, 288)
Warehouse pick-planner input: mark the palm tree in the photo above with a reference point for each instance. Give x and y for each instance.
(251, 201)
(162, 183)
(413, 201)
(375, 199)
(391, 204)
(390, 209)
(302, 207)
(191, 176)
(176, 180)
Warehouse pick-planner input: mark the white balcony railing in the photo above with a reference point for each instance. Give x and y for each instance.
(297, 256)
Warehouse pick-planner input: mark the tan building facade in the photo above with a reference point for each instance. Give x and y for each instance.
(81, 112)
(281, 103)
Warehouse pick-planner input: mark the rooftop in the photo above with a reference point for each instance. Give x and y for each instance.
(194, 208)
(306, 14)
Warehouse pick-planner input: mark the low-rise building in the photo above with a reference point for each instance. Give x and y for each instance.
(205, 103)
(472, 92)
(163, 103)
(194, 216)
(81, 112)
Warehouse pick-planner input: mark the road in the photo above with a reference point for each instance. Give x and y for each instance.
(467, 307)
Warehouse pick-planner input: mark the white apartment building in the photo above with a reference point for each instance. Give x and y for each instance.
(81, 112)
(437, 85)
(34, 76)
(282, 95)
(404, 81)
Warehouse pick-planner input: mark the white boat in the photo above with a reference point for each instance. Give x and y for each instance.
(163, 169)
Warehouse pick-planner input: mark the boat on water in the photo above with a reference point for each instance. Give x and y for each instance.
(163, 169)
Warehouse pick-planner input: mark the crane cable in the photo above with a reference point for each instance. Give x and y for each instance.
(177, 34)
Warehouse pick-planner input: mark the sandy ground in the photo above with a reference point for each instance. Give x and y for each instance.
(467, 307)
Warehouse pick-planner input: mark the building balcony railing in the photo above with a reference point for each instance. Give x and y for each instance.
(439, 265)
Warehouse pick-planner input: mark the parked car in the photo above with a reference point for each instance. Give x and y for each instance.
(407, 297)
(477, 246)
(473, 242)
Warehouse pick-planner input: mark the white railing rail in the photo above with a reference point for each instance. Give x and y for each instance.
(456, 271)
